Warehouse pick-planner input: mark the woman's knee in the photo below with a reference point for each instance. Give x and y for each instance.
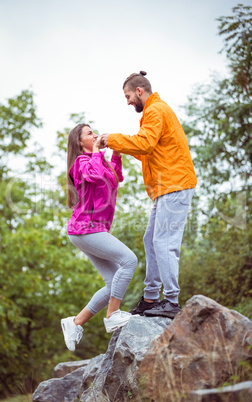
(129, 262)
(108, 284)
(106, 293)
(132, 261)
(135, 261)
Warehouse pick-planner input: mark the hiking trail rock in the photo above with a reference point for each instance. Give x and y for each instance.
(163, 360)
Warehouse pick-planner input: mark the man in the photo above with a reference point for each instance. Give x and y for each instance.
(170, 179)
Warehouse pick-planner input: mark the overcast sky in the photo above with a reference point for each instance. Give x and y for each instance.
(75, 55)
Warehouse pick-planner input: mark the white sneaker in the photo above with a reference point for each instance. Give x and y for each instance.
(117, 320)
(72, 332)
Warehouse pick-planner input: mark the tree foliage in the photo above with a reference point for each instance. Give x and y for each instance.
(220, 113)
(44, 278)
(219, 127)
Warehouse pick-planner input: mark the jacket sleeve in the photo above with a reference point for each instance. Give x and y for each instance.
(144, 141)
(92, 168)
(116, 163)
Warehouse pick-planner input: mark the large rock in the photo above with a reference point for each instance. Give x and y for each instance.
(116, 378)
(161, 360)
(68, 388)
(65, 368)
(202, 348)
(64, 389)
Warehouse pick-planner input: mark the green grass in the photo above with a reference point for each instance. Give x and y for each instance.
(18, 398)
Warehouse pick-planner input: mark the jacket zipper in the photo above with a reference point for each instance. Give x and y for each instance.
(91, 223)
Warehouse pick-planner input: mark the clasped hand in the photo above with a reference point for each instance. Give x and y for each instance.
(102, 141)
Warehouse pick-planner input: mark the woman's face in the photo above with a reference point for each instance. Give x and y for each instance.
(87, 139)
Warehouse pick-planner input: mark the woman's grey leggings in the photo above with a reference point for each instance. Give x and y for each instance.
(115, 262)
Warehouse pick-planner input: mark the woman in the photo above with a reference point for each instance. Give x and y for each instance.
(92, 189)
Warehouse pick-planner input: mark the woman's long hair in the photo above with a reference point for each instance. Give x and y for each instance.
(74, 149)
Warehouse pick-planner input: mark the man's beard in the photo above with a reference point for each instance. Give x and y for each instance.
(138, 105)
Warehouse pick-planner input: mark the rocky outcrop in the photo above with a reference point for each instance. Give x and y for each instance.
(116, 378)
(204, 347)
(162, 360)
(111, 374)
(60, 389)
(65, 368)
(67, 388)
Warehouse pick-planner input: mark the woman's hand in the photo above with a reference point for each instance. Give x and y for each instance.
(115, 153)
(96, 146)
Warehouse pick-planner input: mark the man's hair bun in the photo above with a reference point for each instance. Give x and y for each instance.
(138, 80)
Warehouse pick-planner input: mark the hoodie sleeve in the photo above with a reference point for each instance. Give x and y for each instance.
(116, 163)
(91, 168)
(144, 141)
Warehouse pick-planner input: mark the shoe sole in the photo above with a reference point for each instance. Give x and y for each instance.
(112, 329)
(115, 327)
(132, 312)
(171, 316)
(142, 313)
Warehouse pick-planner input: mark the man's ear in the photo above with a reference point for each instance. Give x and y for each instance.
(139, 91)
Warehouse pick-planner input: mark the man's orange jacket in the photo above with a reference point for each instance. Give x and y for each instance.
(162, 146)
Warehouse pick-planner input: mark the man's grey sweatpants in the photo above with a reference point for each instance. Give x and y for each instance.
(162, 242)
(115, 262)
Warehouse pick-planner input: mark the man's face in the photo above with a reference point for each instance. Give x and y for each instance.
(133, 99)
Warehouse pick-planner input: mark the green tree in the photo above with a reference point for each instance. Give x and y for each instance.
(220, 113)
(43, 277)
(219, 128)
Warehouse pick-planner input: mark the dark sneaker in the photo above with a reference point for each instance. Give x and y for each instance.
(164, 309)
(143, 305)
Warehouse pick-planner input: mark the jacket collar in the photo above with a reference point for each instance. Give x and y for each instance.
(90, 154)
(152, 99)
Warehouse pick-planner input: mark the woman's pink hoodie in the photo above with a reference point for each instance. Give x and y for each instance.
(96, 185)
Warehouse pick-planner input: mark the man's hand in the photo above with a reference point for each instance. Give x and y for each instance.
(104, 140)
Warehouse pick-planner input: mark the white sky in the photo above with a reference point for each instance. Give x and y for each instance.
(75, 55)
